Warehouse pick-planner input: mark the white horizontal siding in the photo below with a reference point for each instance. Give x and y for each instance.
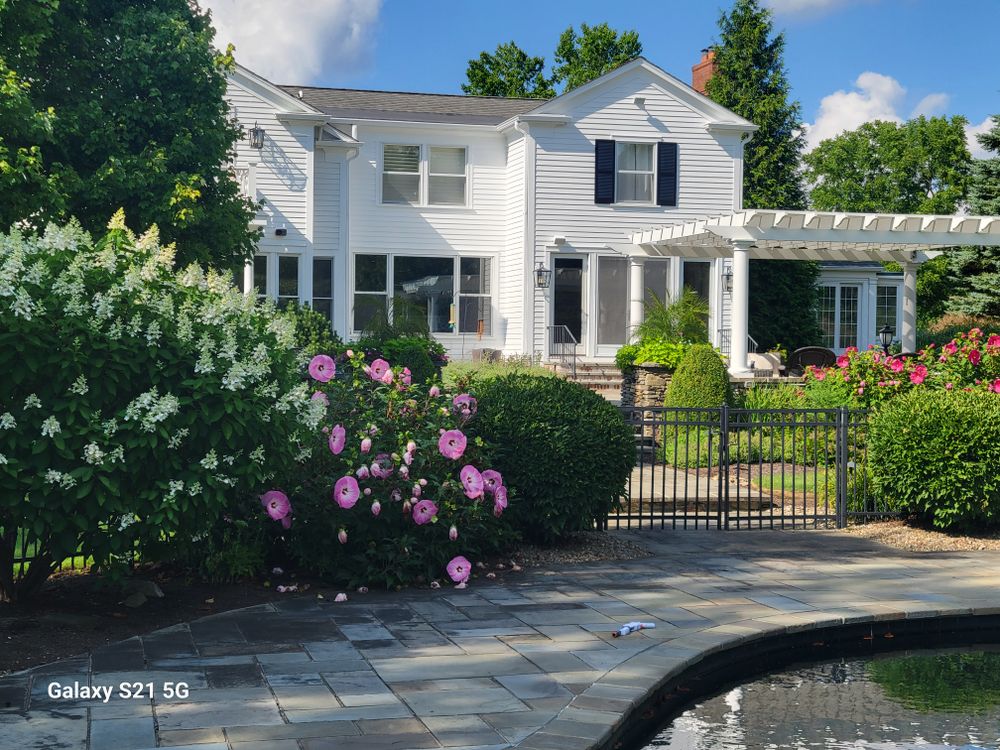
(282, 167)
(510, 286)
(326, 225)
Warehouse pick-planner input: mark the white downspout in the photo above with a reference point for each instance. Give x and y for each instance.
(528, 325)
(345, 233)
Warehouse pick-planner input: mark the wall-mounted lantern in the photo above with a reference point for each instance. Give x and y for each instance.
(727, 279)
(257, 137)
(543, 276)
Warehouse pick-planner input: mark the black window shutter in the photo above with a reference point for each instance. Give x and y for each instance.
(666, 174)
(604, 172)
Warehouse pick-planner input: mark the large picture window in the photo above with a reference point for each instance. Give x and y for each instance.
(449, 294)
(634, 173)
(446, 176)
(401, 174)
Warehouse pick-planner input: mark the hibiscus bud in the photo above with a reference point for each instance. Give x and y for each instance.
(349, 353)
(407, 458)
(342, 536)
(411, 447)
(453, 533)
(366, 445)
(367, 370)
(368, 491)
(363, 472)
(404, 472)
(395, 457)
(417, 490)
(376, 508)
(435, 391)
(406, 507)
(423, 482)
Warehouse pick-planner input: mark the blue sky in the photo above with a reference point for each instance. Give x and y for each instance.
(849, 61)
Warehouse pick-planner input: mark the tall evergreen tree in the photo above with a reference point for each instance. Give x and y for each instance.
(750, 80)
(508, 71)
(978, 268)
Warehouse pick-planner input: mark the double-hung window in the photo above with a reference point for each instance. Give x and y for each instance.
(474, 303)
(424, 176)
(371, 293)
(322, 292)
(634, 173)
(401, 174)
(885, 308)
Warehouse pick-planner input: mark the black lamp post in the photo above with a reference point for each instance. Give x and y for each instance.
(543, 277)
(885, 334)
(257, 137)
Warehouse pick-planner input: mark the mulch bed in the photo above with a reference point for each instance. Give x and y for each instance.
(913, 538)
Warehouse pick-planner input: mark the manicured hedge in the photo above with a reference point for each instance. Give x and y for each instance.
(701, 380)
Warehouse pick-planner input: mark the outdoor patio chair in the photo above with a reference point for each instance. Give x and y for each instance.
(817, 356)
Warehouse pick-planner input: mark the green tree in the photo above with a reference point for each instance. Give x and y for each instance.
(508, 71)
(592, 53)
(920, 166)
(978, 268)
(750, 80)
(129, 113)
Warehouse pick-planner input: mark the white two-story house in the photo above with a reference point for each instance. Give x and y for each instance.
(508, 223)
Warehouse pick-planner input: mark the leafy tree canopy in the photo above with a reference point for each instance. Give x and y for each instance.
(750, 80)
(107, 105)
(508, 71)
(593, 52)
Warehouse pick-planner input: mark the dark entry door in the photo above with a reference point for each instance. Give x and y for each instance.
(567, 297)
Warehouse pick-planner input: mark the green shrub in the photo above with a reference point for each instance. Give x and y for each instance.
(954, 326)
(667, 354)
(701, 380)
(682, 319)
(413, 353)
(135, 400)
(463, 375)
(566, 450)
(312, 330)
(625, 358)
(935, 454)
(781, 396)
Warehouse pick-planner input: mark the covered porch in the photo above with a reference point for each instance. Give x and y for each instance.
(906, 239)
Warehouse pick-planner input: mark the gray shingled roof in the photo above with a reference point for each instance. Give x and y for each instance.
(355, 104)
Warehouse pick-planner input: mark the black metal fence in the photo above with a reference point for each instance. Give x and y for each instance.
(732, 468)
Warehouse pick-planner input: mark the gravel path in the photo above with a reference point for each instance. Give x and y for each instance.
(900, 535)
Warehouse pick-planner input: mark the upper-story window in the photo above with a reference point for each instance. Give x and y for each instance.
(424, 176)
(634, 173)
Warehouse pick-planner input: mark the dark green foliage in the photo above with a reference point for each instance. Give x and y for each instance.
(412, 353)
(125, 109)
(751, 80)
(701, 380)
(977, 269)
(935, 454)
(407, 319)
(682, 319)
(313, 334)
(565, 450)
(965, 682)
(595, 51)
(508, 71)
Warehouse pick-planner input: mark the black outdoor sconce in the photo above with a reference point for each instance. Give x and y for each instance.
(543, 277)
(885, 334)
(257, 137)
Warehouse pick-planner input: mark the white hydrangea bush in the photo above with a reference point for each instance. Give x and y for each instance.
(135, 399)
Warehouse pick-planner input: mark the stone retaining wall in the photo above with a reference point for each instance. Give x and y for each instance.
(645, 385)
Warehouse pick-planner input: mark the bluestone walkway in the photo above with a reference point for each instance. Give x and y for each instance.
(529, 663)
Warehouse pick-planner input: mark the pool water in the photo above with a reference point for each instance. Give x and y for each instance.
(921, 699)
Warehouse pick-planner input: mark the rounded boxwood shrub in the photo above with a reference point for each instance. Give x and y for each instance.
(412, 353)
(935, 454)
(701, 380)
(567, 451)
(136, 401)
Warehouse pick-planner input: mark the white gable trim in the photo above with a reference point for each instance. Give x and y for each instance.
(267, 91)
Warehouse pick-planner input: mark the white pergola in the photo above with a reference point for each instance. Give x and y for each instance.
(758, 234)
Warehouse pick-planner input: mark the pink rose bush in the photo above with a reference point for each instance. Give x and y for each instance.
(970, 362)
(430, 496)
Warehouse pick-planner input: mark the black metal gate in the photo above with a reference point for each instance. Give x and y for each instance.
(732, 468)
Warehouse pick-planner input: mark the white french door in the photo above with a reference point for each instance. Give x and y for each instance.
(840, 315)
(611, 296)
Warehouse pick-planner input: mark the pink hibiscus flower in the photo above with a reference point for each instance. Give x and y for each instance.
(406, 377)
(491, 480)
(338, 439)
(819, 374)
(993, 342)
(459, 569)
(950, 348)
(465, 404)
(975, 357)
(382, 466)
(919, 374)
(276, 504)
(472, 480)
(320, 396)
(379, 368)
(387, 377)
(346, 492)
(322, 368)
(452, 444)
(424, 511)
(499, 501)
(897, 365)
(843, 361)
(434, 392)
(995, 387)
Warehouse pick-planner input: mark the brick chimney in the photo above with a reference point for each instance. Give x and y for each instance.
(704, 70)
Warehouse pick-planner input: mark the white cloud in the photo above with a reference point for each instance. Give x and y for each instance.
(294, 42)
(971, 131)
(876, 97)
(931, 105)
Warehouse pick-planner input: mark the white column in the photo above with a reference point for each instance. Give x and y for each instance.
(908, 337)
(741, 309)
(636, 293)
(248, 278)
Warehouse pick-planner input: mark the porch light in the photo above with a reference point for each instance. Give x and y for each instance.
(542, 277)
(727, 279)
(885, 334)
(257, 137)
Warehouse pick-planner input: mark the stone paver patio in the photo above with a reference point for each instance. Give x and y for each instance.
(529, 664)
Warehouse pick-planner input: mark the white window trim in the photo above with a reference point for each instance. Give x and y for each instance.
(423, 190)
(454, 335)
(271, 275)
(654, 173)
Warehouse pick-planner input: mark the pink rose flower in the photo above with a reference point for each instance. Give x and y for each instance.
(406, 377)
(995, 387)
(459, 569)
(975, 357)
(382, 466)
(950, 348)
(897, 365)
(417, 489)
(346, 492)
(386, 377)
(322, 368)
(993, 342)
(379, 368)
(338, 439)
(408, 458)
(424, 511)
(276, 504)
(919, 374)
(452, 444)
(491, 480)
(843, 361)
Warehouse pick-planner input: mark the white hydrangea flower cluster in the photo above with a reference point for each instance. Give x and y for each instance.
(50, 427)
(93, 454)
(210, 461)
(80, 386)
(150, 408)
(63, 480)
(129, 519)
(7, 421)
